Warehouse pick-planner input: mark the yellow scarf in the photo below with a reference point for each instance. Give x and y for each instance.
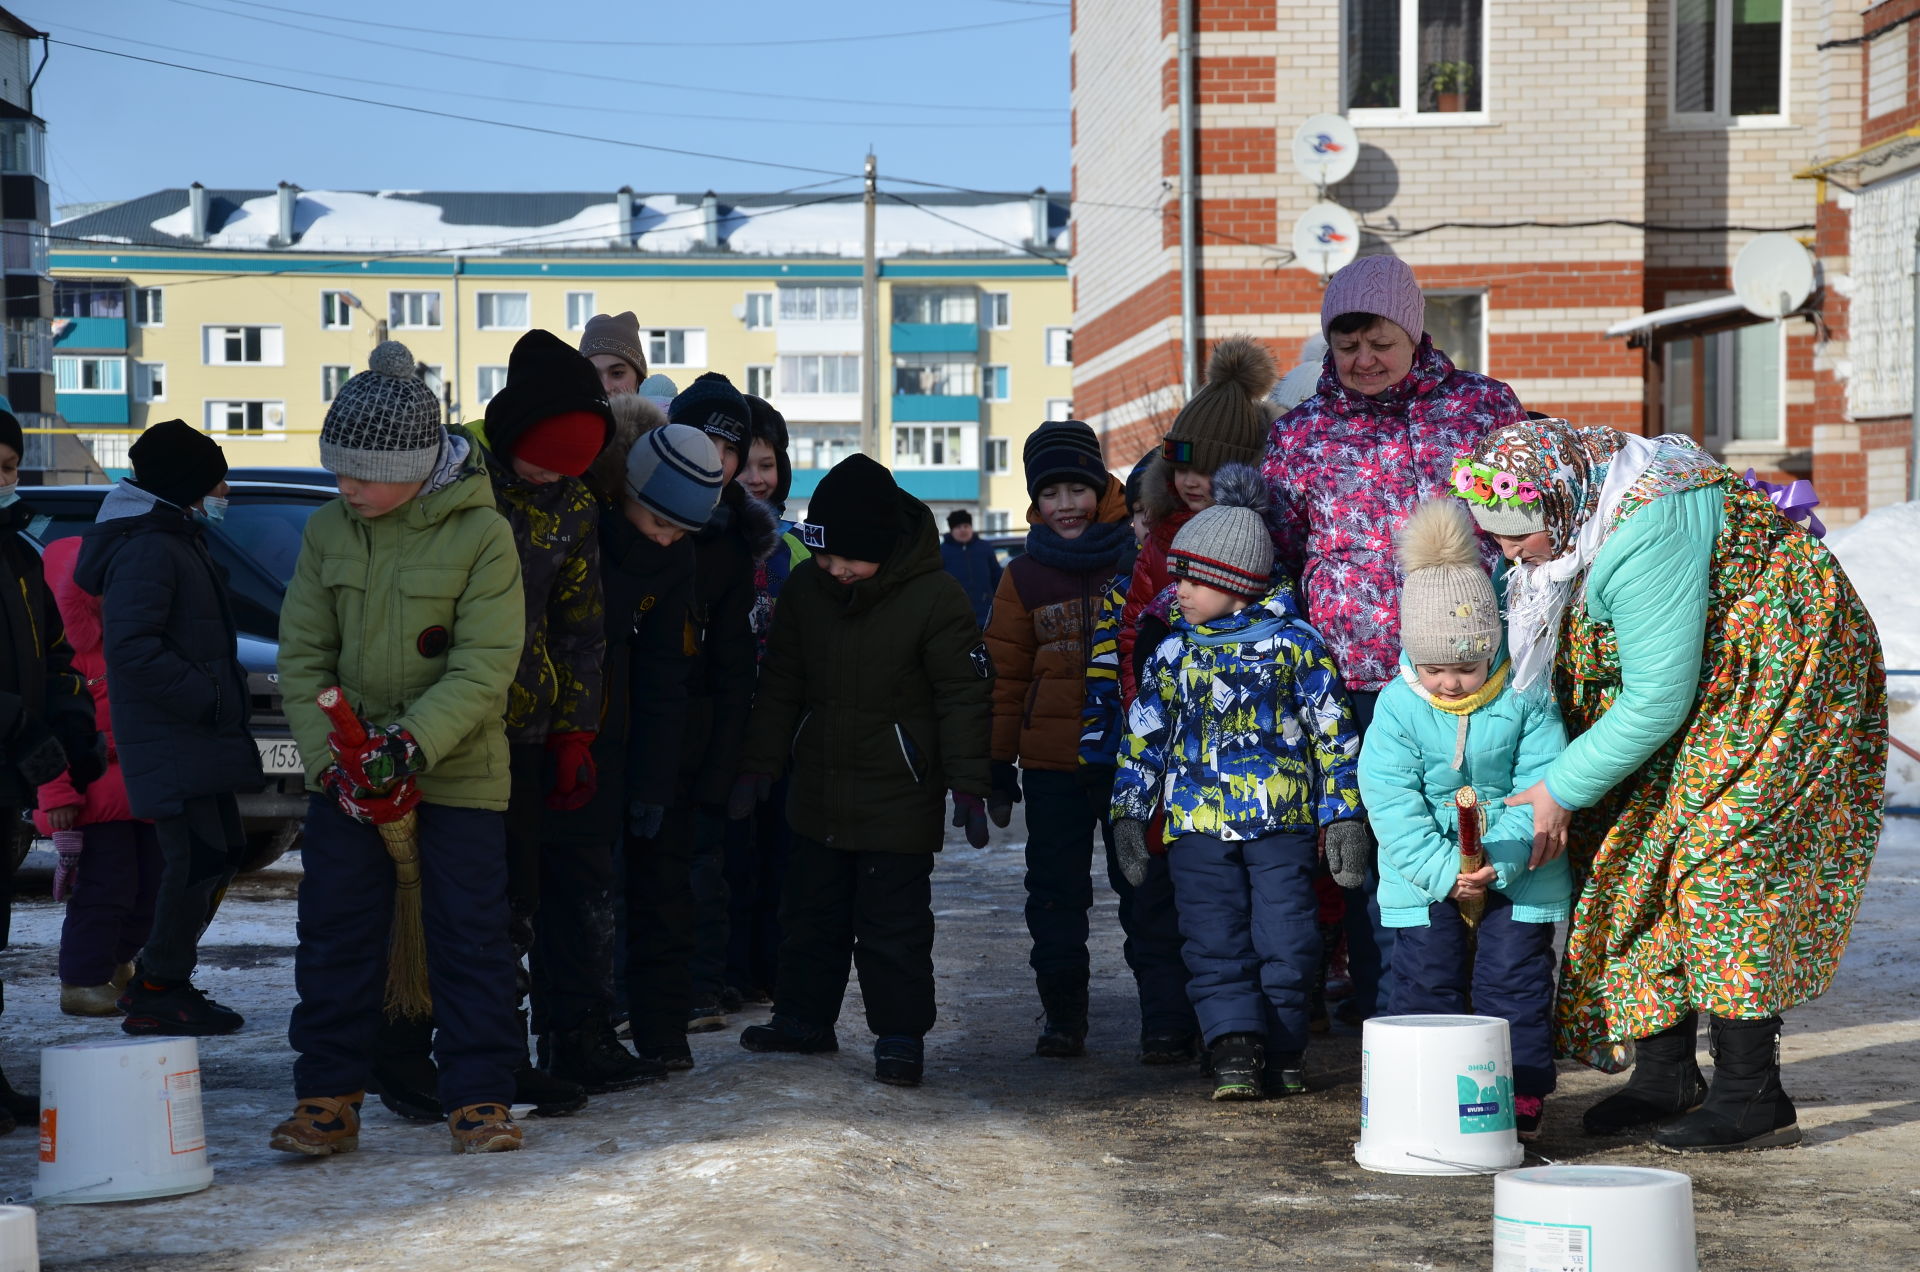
(1462, 707)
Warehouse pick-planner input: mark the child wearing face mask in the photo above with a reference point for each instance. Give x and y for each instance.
(1451, 721)
(1242, 723)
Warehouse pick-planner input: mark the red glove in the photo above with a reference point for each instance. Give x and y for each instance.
(575, 778)
(371, 808)
(387, 757)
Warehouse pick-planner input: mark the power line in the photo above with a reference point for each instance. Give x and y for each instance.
(1050, 257)
(576, 73)
(652, 44)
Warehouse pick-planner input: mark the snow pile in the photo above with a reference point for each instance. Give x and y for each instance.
(344, 220)
(1881, 555)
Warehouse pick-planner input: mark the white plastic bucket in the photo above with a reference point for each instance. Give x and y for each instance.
(1436, 1096)
(19, 1240)
(1593, 1219)
(121, 1120)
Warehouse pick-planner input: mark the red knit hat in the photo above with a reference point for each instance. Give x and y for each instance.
(564, 443)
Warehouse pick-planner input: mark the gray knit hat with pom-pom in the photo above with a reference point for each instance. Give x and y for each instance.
(1448, 612)
(384, 424)
(1228, 546)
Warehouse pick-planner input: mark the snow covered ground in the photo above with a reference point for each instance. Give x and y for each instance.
(1881, 555)
(1002, 1161)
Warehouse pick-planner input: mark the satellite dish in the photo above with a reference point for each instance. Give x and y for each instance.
(1325, 148)
(1773, 275)
(1325, 239)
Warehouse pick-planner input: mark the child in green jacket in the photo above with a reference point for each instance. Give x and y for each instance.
(407, 596)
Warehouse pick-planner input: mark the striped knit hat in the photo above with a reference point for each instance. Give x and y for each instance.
(1228, 546)
(674, 472)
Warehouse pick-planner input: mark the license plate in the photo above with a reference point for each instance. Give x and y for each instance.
(281, 756)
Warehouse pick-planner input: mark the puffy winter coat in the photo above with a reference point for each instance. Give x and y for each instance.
(976, 568)
(1150, 573)
(1408, 780)
(1346, 470)
(1244, 728)
(179, 694)
(1103, 722)
(878, 695)
(37, 679)
(105, 799)
(741, 533)
(419, 617)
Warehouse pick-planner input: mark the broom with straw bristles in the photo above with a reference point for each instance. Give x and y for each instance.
(408, 993)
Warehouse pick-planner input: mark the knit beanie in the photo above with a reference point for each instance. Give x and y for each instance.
(619, 335)
(11, 433)
(660, 388)
(1228, 545)
(384, 424)
(547, 378)
(1448, 613)
(1137, 478)
(1063, 450)
(712, 405)
(674, 472)
(770, 427)
(177, 462)
(1382, 285)
(1223, 424)
(855, 512)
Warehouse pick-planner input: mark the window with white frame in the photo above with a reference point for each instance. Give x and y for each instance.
(149, 307)
(928, 446)
(333, 377)
(820, 373)
(502, 311)
(821, 445)
(936, 305)
(1059, 346)
(1726, 388)
(149, 381)
(491, 381)
(25, 250)
(996, 383)
(1059, 409)
(252, 417)
(993, 457)
(759, 311)
(677, 347)
(336, 314)
(1457, 323)
(996, 520)
(29, 344)
(823, 302)
(23, 147)
(996, 310)
(413, 310)
(934, 375)
(1413, 58)
(580, 307)
(760, 380)
(89, 375)
(435, 378)
(243, 346)
(1727, 61)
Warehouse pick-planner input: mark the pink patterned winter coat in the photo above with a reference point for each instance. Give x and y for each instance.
(1345, 470)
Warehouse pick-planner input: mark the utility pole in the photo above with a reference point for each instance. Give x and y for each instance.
(870, 328)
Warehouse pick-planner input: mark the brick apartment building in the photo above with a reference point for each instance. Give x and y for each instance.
(1550, 172)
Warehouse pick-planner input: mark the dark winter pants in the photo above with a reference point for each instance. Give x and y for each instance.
(340, 966)
(200, 849)
(660, 917)
(1369, 942)
(712, 906)
(573, 950)
(1509, 975)
(757, 851)
(1247, 910)
(1061, 819)
(876, 907)
(111, 910)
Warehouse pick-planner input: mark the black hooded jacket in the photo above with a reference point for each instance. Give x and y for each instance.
(38, 685)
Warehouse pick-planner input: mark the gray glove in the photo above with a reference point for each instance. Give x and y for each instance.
(1130, 850)
(1349, 852)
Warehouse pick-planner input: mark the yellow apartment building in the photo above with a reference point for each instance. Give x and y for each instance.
(243, 311)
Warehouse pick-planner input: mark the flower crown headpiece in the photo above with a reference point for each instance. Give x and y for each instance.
(1490, 488)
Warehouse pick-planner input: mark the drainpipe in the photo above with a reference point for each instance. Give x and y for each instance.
(1189, 247)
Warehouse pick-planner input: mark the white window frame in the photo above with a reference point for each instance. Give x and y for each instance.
(78, 361)
(1047, 347)
(956, 440)
(1006, 381)
(393, 321)
(335, 313)
(480, 377)
(793, 361)
(584, 311)
(144, 374)
(26, 247)
(760, 380)
(1408, 113)
(758, 311)
(273, 345)
(693, 346)
(142, 314)
(996, 310)
(326, 394)
(995, 521)
(273, 421)
(1455, 293)
(1719, 116)
(996, 456)
(785, 310)
(486, 316)
(1059, 409)
(1716, 434)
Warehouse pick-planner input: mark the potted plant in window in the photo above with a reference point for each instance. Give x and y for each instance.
(1450, 82)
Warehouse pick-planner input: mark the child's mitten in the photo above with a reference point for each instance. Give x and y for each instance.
(387, 756)
(1006, 793)
(1130, 849)
(66, 874)
(971, 811)
(369, 807)
(575, 776)
(1349, 851)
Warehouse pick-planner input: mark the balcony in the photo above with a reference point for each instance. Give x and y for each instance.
(936, 337)
(933, 408)
(94, 408)
(71, 334)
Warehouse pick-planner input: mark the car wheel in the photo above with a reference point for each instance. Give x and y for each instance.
(264, 847)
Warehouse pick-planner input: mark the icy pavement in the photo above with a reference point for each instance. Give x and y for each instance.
(1001, 1161)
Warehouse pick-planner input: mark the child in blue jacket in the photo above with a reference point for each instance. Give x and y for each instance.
(1453, 720)
(1242, 725)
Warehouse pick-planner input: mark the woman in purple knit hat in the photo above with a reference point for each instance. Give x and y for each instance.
(1382, 433)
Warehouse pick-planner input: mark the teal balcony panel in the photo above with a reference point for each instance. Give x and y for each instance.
(93, 408)
(913, 408)
(935, 337)
(90, 333)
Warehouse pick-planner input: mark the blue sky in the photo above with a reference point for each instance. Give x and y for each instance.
(984, 107)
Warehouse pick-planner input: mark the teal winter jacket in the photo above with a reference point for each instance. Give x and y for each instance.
(1408, 781)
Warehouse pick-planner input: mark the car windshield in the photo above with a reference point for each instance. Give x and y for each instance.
(269, 529)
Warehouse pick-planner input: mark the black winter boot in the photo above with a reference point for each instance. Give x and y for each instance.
(1745, 1105)
(1666, 1081)
(784, 1033)
(592, 1056)
(176, 1009)
(550, 1096)
(1065, 1002)
(1238, 1060)
(1166, 1048)
(898, 1060)
(1285, 1074)
(409, 1086)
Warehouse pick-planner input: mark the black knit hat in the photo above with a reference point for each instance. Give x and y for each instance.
(712, 405)
(1063, 450)
(176, 462)
(855, 512)
(546, 377)
(11, 433)
(770, 427)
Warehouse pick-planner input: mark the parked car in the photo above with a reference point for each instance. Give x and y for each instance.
(257, 545)
(1006, 545)
(286, 476)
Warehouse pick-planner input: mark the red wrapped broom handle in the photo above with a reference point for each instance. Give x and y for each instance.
(346, 724)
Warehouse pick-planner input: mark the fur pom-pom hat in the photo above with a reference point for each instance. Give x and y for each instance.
(1448, 612)
(1226, 421)
(1228, 546)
